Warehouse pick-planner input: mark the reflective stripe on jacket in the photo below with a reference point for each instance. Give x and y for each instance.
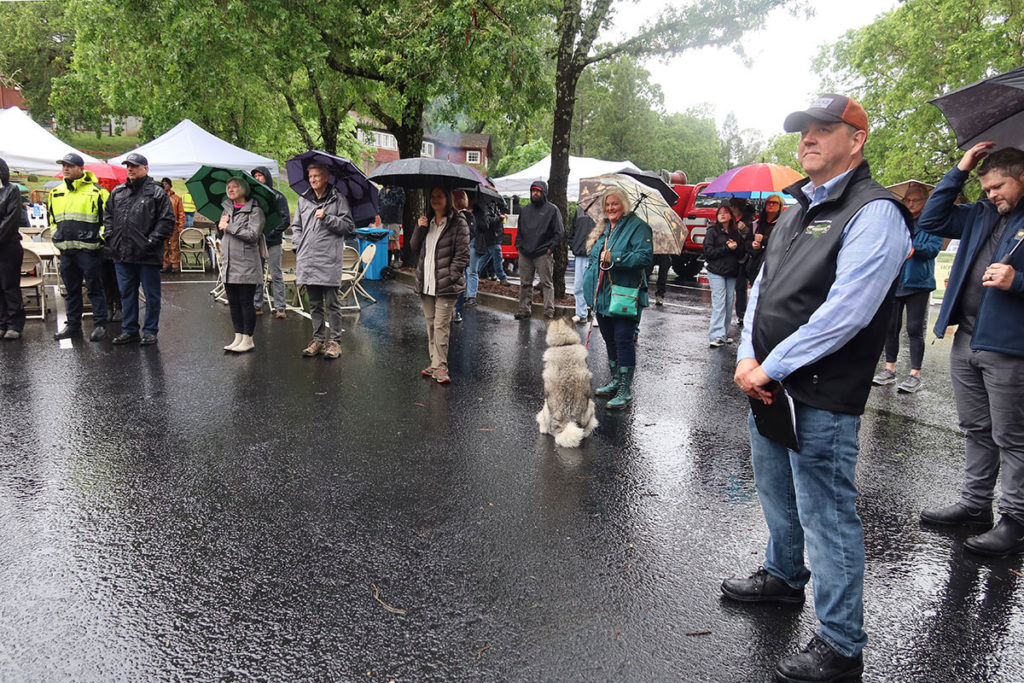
(188, 203)
(76, 214)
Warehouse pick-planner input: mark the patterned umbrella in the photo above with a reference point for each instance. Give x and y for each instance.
(346, 178)
(753, 181)
(209, 186)
(647, 203)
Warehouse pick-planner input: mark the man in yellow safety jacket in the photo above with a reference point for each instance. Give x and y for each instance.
(75, 208)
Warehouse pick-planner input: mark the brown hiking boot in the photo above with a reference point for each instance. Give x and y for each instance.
(315, 347)
(332, 350)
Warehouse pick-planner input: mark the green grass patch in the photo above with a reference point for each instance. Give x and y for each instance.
(103, 147)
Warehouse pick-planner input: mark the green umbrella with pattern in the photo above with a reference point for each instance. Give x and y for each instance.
(208, 187)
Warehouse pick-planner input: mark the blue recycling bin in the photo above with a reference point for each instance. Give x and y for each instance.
(378, 236)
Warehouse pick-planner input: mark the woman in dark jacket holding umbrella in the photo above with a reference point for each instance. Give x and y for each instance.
(723, 251)
(620, 247)
(443, 245)
(242, 226)
(757, 242)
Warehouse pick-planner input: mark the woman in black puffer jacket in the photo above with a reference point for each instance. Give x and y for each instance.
(443, 245)
(723, 251)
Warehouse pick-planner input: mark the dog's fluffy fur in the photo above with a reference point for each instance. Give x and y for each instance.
(568, 412)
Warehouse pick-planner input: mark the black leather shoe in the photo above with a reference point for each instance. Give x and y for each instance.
(819, 663)
(147, 340)
(125, 338)
(68, 332)
(98, 333)
(521, 316)
(762, 587)
(958, 514)
(1006, 539)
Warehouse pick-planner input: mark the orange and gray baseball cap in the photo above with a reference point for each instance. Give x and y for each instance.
(831, 108)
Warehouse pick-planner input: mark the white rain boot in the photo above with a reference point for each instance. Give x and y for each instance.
(244, 345)
(232, 345)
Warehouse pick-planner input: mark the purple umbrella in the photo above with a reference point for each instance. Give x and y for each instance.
(344, 176)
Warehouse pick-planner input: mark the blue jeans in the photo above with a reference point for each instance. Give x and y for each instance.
(723, 292)
(577, 285)
(493, 256)
(472, 278)
(808, 498)
(129, 277)
(618, 339)
(190, 218)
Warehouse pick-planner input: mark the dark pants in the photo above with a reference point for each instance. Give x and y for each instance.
(243, 314)
(664, 263)
(618, 339)
(741, 293)
(323, 298)
(111, 290)
(83, 264)
(917, 315)
(129, 277)
(12, 309)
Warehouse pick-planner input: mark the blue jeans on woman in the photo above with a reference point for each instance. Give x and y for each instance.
(472, 279)
(809, 498)
(577, 285)
(723, 292)
(493, 256)
(617, 333)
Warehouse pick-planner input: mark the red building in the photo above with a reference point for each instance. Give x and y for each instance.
(11, 97)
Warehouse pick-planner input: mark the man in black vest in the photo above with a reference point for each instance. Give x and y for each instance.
(814, 330)
(985, 299)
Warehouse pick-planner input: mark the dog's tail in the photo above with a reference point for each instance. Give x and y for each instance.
(570, 436)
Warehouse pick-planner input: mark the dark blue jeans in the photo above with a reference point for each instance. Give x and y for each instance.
(12, 309)
(618, 339)
(808, 499)
(129, 277)
(84, 264)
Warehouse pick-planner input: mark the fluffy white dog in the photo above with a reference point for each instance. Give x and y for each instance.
(568, 411)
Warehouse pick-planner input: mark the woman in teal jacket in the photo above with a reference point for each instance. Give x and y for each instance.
(620, 250)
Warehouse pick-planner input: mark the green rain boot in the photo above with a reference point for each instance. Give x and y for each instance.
(613, 386)
(624, 396)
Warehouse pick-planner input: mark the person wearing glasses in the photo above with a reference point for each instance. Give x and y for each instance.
(913, 293)
(757, 241)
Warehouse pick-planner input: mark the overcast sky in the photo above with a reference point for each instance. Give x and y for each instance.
(780, 79)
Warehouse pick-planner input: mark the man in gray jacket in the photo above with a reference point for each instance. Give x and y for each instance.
(539, 234)
(322, 220)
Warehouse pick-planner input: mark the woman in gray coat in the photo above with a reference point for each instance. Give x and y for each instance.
(242, 225)
(319, 226)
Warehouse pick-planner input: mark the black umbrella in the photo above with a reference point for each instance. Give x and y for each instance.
(992, 109)
(653, 181)
(489, 194)
(424, 174)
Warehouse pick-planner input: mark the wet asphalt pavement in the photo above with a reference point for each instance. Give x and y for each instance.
(174, 513)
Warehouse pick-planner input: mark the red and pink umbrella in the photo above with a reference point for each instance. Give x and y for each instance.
(752, 181)
(107, 175)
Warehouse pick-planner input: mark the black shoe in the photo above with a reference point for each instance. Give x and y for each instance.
(116, 316)
(470, 301)
(125, 338)
(1006, 539)
(165, 270)
(147, 340)
(68, 332)
(762, 587)
(98, 333)
(457, 318)
(521, 316)
(958, 514)
(818, 662)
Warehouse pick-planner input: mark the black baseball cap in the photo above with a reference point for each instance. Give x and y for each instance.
(832, 108)
(72, 159)
(135, 159)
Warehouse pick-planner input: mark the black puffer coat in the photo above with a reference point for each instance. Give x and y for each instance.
(451, 256)
(137, 219)
(719, 258)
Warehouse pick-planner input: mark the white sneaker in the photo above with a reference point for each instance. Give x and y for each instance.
(578, 319)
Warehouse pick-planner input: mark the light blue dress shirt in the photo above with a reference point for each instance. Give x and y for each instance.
(869, 260)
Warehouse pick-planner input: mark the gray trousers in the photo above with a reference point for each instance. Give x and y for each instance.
(541, 265)
(320, 298)
(989, 392)
(276, 279)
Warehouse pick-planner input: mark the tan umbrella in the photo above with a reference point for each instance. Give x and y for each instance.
(899, 190)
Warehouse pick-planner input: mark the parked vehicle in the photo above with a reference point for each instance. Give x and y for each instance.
(697, 212)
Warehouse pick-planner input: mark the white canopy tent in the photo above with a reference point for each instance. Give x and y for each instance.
(27, 146)
(579, 167)
(180, 152)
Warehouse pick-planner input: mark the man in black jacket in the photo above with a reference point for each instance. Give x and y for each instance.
(137, 219)
(12, 310)
(539, 234)
(274, 240)
(815, 328)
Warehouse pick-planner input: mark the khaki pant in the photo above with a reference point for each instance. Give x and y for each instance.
(541, 265)
(438, 311)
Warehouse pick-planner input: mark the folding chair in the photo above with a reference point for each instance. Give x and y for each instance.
(219, 292)
(193, 250)
(32, 279)
(350, 279)
(293, 297)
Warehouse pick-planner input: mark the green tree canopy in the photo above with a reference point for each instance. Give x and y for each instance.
(34, 49)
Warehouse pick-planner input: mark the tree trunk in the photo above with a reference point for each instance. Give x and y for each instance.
(409, 134)
(568, 74)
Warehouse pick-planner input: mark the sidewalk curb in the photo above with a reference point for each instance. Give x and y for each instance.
(505, 304)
